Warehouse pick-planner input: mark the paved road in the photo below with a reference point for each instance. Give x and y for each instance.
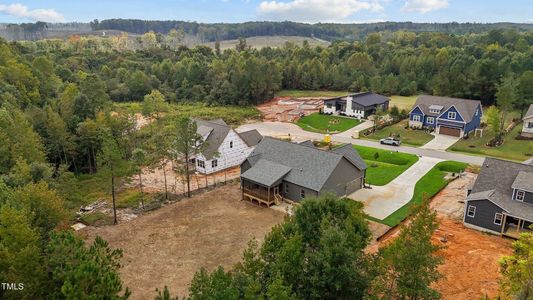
(283, 129)
(381, 201)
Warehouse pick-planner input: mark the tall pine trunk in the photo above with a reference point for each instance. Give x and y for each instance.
(141, 187)
(165, 176)
(188, 178)
(113, 195)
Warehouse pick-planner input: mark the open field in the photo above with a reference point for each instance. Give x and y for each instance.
(310, 93)
(432, 183)
(387, 166)
(402, 102)
(258, 42)
(512, 148)
(324, 123)
(407, 136)
(230, 114)
(167, 246)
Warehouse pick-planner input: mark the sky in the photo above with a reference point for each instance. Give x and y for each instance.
(235, 11)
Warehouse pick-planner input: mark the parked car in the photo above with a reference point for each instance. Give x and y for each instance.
(390, 141)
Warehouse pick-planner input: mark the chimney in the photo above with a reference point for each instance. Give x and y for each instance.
(349, 104)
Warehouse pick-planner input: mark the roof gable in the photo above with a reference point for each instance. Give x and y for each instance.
(452, 108)
(217, 134)
(310, 167)
(529, 113)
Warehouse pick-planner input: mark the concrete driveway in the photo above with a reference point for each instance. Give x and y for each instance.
(381, 201)
(441, 142)
(277, 129)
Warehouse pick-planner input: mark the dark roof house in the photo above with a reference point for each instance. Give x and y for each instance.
(225, 148)
(449, 116)
(359, 105)
(293, 171)
(501, 199)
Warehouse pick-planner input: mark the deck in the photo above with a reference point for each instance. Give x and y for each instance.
(512, 232)
(261, 197)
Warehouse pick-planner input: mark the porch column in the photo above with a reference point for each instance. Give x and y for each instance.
(503, 223)
(268, 195)
(520, 223)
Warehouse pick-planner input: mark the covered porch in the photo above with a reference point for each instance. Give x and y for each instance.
(513, 226)
(262, 182)
(261, 194)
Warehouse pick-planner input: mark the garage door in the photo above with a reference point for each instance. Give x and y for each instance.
(450, 131)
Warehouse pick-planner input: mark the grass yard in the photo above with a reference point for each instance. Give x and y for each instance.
(386, 166)
(231, 114)
(428, 186)
(512, 148)
(402, 102)
(309, 93)
(408, 136)
(322, 123)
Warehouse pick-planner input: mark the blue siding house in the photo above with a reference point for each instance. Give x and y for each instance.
(450, 116)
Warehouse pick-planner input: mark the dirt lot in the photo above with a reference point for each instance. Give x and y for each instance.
(288, 109)
(153, 180)
(167, 246)
(471, 257)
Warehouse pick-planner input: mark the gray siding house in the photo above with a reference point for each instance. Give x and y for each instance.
(501, 199)
(279, 170)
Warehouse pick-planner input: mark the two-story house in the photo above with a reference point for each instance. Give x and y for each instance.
(449, 116)
(358, 105)
(527, 128)
(225, 148)
(501, 199)
(278, 171)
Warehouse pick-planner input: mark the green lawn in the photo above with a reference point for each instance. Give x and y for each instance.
(511, 148)
(408, 136)
(402, 102)
(309, 93)
(322, 123)
(387, 166)
(428, 186)
(230, 114)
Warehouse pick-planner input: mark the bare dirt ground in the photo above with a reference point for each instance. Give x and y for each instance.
(154, 180)
(289, 109)
(471, 257)
(168, 245)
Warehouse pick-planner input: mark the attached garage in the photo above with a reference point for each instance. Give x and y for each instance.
(450, 131)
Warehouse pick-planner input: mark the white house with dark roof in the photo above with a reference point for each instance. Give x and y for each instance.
(278, 170)
(527, 128)
(358, 105)
(225, 148)
(501, 199)
(449, 116)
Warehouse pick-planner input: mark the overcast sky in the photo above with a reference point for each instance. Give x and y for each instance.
(309, 11)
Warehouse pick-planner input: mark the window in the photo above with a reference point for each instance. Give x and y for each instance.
(471, 211)
(434, 111)
(201, 163)
(416, 118)
(328, 105)
(498, 219)
(214, 163)
(452, 115)
(431, 120)
(477, 112)
(231, 144)
(302, 193)
(530, 125)
(520, 195)
(286, 188)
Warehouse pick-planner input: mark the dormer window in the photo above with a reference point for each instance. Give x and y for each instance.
(435, 109)
(520, 195)
(452, 115)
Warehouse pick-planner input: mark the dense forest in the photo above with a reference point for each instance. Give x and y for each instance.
(330, 32)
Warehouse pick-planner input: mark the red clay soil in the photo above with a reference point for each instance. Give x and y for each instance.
(289, 109)
(470, 268)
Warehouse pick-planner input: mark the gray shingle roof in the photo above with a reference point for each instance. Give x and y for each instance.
(364, 99)
(251, 137)
(524, 181)
(266, 172)
(217, 134)
(349, 152)
(498, 176)
(307, 143)
(529, 113)
(309, 167)
(466, 108)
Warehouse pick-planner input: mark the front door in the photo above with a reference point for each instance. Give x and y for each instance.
(276, 190)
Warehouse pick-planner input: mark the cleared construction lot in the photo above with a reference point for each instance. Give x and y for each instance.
(167, 246)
